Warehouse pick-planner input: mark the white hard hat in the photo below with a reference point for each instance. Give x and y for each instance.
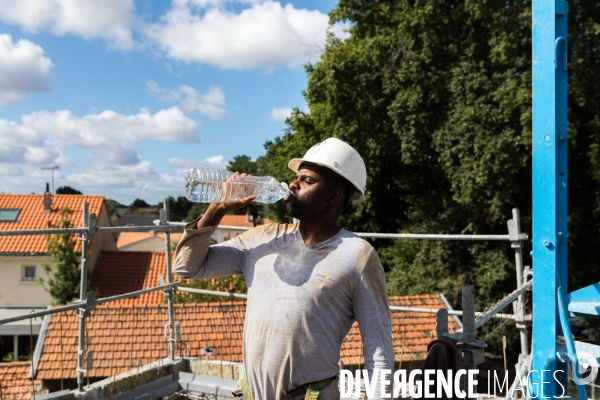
(342, 159)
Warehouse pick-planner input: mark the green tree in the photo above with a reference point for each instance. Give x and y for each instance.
(242, 164)
(139, 203)
(196, 211)
(436, 96)
(231, 284)
(64, 271)
(111, 206)
(67, 190)
(181, 209)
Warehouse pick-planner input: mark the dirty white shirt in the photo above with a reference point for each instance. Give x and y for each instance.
(302, 301)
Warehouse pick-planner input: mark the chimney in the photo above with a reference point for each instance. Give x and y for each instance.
(47, 199)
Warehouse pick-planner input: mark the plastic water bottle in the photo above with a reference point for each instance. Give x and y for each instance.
(209, 185)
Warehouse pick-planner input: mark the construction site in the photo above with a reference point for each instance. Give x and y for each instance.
(126, 338)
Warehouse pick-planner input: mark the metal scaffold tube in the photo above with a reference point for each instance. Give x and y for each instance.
(164, 214)
(82, 312)
(414, 236)
(88, 303)
(514, 230)
(62, 231)
(501, 304)
(213, 292)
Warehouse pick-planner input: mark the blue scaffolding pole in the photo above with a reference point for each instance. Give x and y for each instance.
(551, 301)
(549, 140)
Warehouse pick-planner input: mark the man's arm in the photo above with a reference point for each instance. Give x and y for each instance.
(193, 256)
(371, 310)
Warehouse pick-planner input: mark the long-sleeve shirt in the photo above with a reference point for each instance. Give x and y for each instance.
(302, 301)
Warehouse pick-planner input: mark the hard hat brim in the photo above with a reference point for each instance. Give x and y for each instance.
(295, 163)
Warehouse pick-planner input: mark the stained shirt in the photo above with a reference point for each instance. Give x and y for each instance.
(302, 301)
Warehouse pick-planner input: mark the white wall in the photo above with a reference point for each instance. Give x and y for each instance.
(14, 292)
(222, 235)
(154, 243)
(104, 241)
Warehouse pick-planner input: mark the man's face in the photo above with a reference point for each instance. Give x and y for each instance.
(309, 192)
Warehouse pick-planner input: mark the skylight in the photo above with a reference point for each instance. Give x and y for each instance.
(7, 214)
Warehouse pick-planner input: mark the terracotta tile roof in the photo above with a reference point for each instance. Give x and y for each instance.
(14, 384)
(32, 216)
(239, 220)
(127, 271)
(123, 338)
(411, 331)
(127, 238)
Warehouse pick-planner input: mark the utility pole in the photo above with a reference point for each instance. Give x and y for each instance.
(52, 169)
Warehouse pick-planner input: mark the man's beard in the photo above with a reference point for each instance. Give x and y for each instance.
(291, 209)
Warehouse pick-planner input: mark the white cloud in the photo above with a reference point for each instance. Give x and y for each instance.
(214, 3)
(110, 163)
(42, 137)
(21, 144)
(340, 30)
(164, 94)
(122, 178)
(263, 35)
(210, 162)
(142, 180)
(214, 162)
(110, 20)
(280, 114)
(23, 69)
(212, 103)
(181, 163)
(11, 170)
(112, 129)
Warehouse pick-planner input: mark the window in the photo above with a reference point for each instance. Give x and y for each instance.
(29, 273)
(7, 214)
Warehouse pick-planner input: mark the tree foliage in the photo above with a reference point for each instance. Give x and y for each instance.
(67, 190)
(242, 164)
(111, 206)
(64, 273)
(231, 284)
(436, 96)
(139, 203)
(181, 209)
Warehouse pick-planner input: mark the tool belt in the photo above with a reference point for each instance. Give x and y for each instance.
(308, 391)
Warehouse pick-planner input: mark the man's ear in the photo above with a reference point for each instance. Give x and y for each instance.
(336, 194)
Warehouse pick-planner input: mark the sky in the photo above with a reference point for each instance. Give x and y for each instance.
(125, 96)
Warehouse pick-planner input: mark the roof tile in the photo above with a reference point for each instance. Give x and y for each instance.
(122, 272)
(123, 337)
(14, 384)
(239, 220)
(32, 216)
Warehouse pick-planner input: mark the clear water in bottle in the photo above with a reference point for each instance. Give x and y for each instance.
(209, 185)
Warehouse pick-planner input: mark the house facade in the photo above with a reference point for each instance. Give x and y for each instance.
(232, 221)
(22, 257)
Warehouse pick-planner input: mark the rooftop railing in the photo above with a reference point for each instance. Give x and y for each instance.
(88, 301)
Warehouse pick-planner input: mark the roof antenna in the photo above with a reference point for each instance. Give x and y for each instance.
(52, 169)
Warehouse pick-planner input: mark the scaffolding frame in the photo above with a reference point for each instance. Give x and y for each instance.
(88, 301)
